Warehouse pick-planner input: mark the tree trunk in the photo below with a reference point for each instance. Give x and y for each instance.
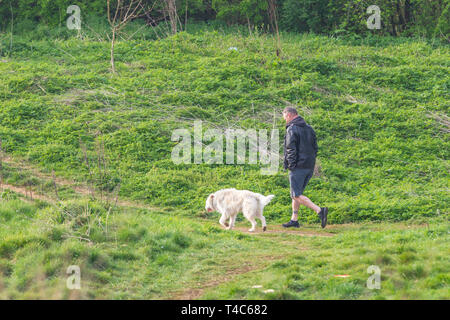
(274, 23)
(172, 8)
(185, 17)
(408, 11)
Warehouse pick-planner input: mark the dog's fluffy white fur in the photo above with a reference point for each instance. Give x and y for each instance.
(229, 202)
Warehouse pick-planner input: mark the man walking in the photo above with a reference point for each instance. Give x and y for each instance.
(300, 151)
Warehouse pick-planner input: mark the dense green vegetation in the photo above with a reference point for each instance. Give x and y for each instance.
(382, 154)
(142, 254)
(378, 105)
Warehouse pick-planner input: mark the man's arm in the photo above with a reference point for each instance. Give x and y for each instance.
(291, 148)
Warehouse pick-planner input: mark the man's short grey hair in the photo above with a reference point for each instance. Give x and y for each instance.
(290, 110)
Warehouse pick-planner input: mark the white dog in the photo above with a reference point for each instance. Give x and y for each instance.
(229, 202)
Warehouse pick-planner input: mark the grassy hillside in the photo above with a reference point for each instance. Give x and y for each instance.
(382, 155)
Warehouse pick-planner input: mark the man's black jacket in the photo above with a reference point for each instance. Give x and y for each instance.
(300, 145)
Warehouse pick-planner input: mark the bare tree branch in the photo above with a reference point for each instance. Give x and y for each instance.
(124, 12)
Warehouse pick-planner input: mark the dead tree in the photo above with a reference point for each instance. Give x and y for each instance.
(273, 18)
(171, 8)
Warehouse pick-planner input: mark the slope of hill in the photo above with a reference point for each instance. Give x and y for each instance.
(137, 253)
(383, 155)
(380, 110)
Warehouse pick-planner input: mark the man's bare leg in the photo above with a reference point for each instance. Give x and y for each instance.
(295, 207)
(306, 202)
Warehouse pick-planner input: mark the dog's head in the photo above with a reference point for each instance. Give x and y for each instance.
(209, 206)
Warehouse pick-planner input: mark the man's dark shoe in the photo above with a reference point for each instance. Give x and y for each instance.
(291, 223)
(323, 215)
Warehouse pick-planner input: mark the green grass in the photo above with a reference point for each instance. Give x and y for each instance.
(382, 165)
(381, 156)
(142, 254)
(412, 261)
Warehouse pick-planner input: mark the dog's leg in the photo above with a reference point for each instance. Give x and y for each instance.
(263, 221)
(232, 221)
(253, 222)
(223, 222)
(249, 209)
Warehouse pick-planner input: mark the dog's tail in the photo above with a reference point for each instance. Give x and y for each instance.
(265, 200)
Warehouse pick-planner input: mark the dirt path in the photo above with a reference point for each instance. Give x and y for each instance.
(33, 195)
(194, 291)
(226, 276)
(22, 165)
(278, 229)
(230, 272)
(29, 195)
(79, 188)
(255, 263)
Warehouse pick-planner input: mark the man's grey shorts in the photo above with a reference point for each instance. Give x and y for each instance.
(298, 179)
